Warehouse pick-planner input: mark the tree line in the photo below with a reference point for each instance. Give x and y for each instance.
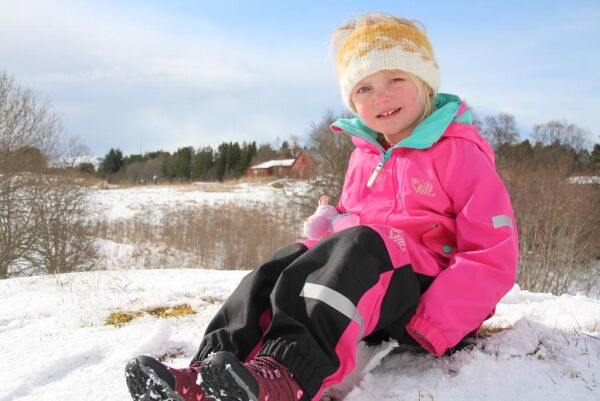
(229, 160)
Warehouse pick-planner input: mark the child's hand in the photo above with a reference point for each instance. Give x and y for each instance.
(324, 200)
(318, 225)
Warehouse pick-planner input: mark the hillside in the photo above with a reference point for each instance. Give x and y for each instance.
(56, 344)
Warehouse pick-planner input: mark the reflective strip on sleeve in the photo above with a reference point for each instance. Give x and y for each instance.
(502, 221)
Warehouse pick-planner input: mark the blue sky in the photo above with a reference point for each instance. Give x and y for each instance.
(149, 75)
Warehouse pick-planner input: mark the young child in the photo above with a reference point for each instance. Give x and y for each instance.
(423, 249)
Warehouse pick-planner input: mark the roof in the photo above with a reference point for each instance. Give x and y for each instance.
(275, 163)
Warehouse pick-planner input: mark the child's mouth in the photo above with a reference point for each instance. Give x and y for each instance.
(389, 113)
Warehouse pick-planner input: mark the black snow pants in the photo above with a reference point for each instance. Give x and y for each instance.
(308, 308)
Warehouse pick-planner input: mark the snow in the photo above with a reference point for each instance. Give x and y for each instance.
(584, 179)
(56, 345)
(125, 203)
(274, 163)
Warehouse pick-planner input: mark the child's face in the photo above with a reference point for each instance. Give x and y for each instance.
(388, 102)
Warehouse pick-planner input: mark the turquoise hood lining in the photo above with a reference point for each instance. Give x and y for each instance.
(424, 135)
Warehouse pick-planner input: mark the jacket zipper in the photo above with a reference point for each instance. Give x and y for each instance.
(379, 167)
(374, 174)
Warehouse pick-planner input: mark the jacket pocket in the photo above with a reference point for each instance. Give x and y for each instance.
(440, 241)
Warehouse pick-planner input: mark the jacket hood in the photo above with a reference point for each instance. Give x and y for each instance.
(449, 109)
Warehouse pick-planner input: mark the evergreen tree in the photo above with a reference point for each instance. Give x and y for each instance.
(284, 151)
(86, 167)
(265, 152)
(596, 156)
(167, 166)
(248, 153)
(222, 161)
(203, 164)
(235, 157)
(111, 164)
(130, 159)
(182, 163)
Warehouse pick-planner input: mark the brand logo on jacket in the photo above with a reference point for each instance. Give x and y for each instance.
(423, 187)
(397, 237)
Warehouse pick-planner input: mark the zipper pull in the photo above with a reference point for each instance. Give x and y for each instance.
(374, 175)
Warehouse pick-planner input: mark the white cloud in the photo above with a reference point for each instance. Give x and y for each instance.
(111, 77)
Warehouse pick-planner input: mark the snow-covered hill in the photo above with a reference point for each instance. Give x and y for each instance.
(56, 345)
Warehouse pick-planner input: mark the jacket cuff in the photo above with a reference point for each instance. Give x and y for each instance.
(426, 335)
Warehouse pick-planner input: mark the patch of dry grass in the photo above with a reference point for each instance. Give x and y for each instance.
(120, 318)
(487, 331)
(171, 311)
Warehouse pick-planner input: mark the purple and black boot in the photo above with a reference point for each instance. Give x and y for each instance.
(148, 379)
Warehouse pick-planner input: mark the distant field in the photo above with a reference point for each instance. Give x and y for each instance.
(208, 225)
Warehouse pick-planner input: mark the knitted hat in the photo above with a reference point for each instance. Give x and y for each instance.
(385, 46)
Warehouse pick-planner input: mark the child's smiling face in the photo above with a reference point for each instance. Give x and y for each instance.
(388, 102)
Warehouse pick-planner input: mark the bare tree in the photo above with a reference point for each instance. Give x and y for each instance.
(332, 152)
(64, 235)
(25, 119)
(562, 132)
(30, 134)
(500, 130)
(16, 221)
(26, 127)
(559, 225)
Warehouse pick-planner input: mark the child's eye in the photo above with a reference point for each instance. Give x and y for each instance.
(397, 79)
(362, 89)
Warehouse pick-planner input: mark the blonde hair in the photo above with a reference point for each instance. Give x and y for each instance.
(426, 96)
(377, 41)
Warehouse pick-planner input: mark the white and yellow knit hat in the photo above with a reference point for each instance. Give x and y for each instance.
(385, 45)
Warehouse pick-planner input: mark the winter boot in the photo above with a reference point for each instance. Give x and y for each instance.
(148, 379)
(225, 378)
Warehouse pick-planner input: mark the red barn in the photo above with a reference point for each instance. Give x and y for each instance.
(301, 167)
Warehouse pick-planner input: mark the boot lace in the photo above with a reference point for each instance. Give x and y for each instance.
(268, 368)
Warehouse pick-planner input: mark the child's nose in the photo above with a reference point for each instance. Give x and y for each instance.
(382, 96)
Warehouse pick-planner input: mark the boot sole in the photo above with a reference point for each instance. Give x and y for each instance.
(145, 384)
(224, 378)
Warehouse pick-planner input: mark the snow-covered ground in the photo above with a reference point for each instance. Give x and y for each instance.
(55, 344)
(124, 203)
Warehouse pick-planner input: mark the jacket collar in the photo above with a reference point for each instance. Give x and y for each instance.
(428, 132)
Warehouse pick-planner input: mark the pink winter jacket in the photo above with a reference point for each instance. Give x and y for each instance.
(440, 187)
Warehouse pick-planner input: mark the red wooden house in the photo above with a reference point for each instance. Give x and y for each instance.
(301, 167)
